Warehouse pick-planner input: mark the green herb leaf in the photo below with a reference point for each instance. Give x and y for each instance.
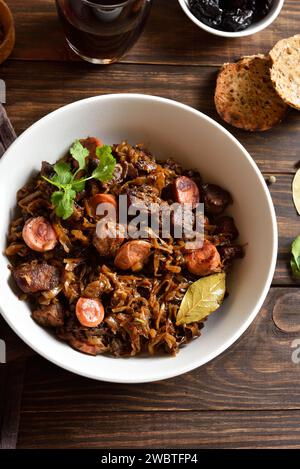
(79, 153)
(78, 185)
(63, 173)
(107, 163)
(66, 181)
(295, 257)
(63, 202)
(202, 298)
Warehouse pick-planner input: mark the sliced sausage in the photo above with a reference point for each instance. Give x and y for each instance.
(186, 191)
(89, 312)
(49, 316)
(216, 199)
(132, 255)
(109, 241)
(101, 199)
(39, 234)
(34, 277)
(203, 261)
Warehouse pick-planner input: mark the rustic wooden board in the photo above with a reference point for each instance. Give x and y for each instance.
(35, 89)
(250, 395)
(169, 38)
(275, 429)
(256, 373)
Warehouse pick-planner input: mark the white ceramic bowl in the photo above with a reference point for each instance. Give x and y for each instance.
(253, 29)
(170, 129)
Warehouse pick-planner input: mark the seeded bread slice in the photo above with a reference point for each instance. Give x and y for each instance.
(245, 96)
(285, 71)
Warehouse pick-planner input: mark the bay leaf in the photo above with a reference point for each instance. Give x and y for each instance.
(202, 298)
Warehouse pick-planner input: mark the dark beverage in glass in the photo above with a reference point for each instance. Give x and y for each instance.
(101, 31)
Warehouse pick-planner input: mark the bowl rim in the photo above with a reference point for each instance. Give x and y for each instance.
(252, 29)
(200, 361)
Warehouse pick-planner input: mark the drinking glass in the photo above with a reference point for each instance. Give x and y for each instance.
(101, 31)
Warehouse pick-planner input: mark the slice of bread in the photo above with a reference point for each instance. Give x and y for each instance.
(245, 96)
(285, 71)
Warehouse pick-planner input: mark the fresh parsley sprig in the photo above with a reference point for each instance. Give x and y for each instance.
(67, 183)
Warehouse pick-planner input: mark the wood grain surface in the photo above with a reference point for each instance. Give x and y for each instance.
(249, 396)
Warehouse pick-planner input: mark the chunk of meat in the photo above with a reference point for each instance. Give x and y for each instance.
(216, 199)
(132, 255)
(39, 234)
(89, 312)
(49, 316)
(226, 226)
(34, 277)
(108, 238)
(46, 169)
(101, 199)
(203, 261)
(186, 191)
(85, 347)
(91, 143)
(145, 162)
(141, 197)
(230, 253)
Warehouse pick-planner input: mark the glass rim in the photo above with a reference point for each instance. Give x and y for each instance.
(119, 3)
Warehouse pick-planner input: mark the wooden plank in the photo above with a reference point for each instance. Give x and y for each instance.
(169, 38)
(160, 430)
(34, 89)
(256, 373)
(12, 395)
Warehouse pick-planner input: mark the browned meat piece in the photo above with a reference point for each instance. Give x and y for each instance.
(46, 169)
(172, 165)
(110, 239)
(91, 144)
(132, 255)
(145, 163)
(226, 226)
(186, 191)
(89, 348)
(129, 170)
(230, 253)
(34, 277)
(143, 196)
(49, 316)
(216, 199)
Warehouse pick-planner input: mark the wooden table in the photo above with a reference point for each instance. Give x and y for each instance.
(249, 396)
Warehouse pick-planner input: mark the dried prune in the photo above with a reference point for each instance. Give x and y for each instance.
(237, 20)
(207, 11)
(230, 15)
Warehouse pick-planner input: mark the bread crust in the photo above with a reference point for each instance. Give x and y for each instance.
(285, 70)
(245, 96)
